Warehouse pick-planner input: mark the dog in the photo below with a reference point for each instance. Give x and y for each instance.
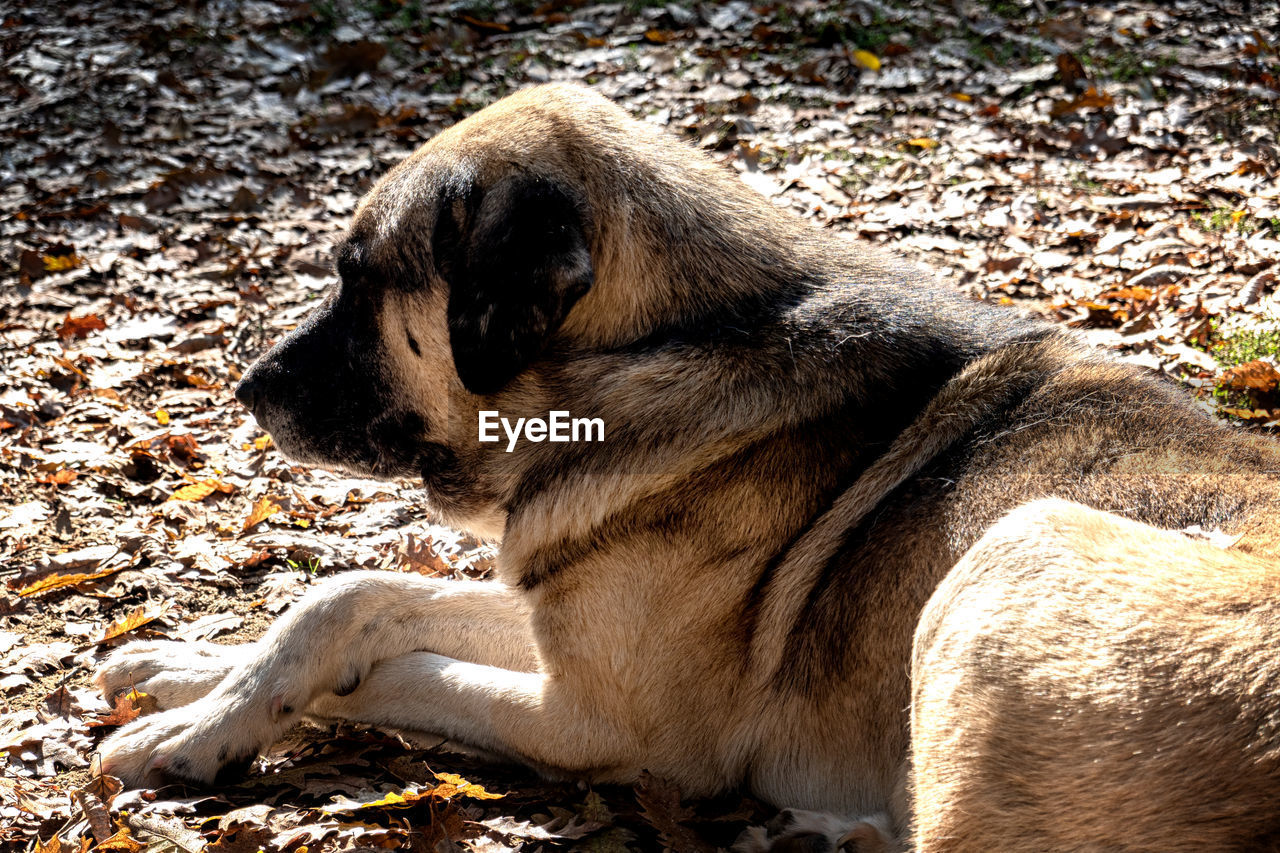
(806, 444)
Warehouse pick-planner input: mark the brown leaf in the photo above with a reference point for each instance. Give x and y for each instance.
(80, 327)
(660, 806)
(262, 510)
(61, 477)
(134, 619)
(490, 26)
(1259, 376)
(58, 581)
(1070, 70)
(419, 556)
(106, 788)
(95, 813)
(1091, 98)
(128, 707)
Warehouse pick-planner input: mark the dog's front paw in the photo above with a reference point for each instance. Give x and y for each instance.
(198, 743)
(174, 673)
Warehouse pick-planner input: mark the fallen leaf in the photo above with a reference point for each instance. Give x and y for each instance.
(80, 327)
(201, 490)
(95, 813)
(128, 708)
(61, 477)
(1090, 99)
(122, 840)
(162, 417)
(455, 785)
(1070, 70)
(660, 805)
(58, 581)
(262, 510)
(866, 59)
(134, 619)
(61, 263)
(1258, 375)
(53, 845)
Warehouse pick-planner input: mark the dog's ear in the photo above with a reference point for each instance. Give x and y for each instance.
(516, 259)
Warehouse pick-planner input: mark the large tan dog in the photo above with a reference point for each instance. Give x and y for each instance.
(802, 439)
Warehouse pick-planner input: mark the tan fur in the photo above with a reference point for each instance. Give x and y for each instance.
(1084, 682)
(804, 436)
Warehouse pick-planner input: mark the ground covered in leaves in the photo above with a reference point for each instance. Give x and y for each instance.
(171, 183)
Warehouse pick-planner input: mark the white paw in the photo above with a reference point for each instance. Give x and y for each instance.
(213, 738)
(797, 831)
(174, 673)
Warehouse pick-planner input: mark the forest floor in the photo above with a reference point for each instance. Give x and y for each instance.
(171, 184)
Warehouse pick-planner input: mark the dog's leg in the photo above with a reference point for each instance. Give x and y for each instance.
(177, 673)
(534, 718)
(172, 672)
(326, 643)
(531, 717)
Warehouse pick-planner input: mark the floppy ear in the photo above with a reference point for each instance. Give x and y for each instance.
(516, 260)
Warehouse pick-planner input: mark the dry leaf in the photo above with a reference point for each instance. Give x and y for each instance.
(122, 840)
(454, 785)
(201, 490)
(1090, 99)
(61, 477)
(128, 707)
(80, 327)
(866, 59)
(134, 619)
(53, 845)
(61, 263)
(262, 510)
(1260, 376)
(58, 581)
(95, 813)
(660, 805)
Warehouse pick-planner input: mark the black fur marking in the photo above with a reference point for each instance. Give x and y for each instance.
(780, 823)
(234, 770)
(803, 842)
(348, 684)
(413, 343)
(513, 275)
(836, 601)
(352, 262)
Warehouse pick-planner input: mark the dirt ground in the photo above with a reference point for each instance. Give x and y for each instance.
(172, 180)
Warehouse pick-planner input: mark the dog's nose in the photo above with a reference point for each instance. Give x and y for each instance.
(248, 393)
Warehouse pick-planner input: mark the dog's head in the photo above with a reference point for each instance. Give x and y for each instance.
(459, 268)
(532, 225)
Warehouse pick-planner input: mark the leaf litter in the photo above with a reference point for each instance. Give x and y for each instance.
(172, 186)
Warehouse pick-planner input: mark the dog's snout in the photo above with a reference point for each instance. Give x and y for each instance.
(248, 392)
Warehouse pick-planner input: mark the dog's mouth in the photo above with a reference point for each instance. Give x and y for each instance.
(390, 446)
